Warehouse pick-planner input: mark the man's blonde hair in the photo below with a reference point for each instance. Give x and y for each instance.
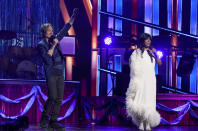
(44, 28)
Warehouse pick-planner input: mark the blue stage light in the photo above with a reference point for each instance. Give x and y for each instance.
(108, 40)
(159, 54)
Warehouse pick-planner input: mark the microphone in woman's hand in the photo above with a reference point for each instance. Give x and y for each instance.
(151, 48)
(151, 51)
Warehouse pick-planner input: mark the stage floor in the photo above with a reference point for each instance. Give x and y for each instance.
(90, 127)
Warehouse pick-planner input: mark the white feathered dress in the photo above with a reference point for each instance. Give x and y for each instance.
(141, 93)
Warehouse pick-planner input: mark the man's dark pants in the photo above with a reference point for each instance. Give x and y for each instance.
(55, 86)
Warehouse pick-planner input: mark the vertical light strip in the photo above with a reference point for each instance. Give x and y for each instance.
(117, 66)
(1, 18)
(134, 13)
(118, 22)
(148, 15)
(193, 17)
(94, 70)
(169, 12)
(110, 80)
(174, 40)
(156, 69)
(94, 46)
(170, 71)
(99, 9)
(155, 16)
(118, 27)
(179, 14)
(196, 75)
(193, 81)
(28, 16)
(118, 63)
(98, 77)
(98, 59)
(110, 8)
(88, 8)
(110, 22)
(118, 8)
(178, 77)
(69, 64)
(167, 70)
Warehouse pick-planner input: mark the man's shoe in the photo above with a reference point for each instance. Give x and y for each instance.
(43, 121)
(55, 125)
(42, 124)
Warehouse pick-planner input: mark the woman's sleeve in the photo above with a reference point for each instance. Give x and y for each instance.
(135, 64)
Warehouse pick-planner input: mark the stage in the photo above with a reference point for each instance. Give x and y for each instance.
(96, 48)
(91, 127)
(26, 98)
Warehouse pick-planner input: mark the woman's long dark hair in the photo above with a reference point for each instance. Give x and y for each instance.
(142, 45)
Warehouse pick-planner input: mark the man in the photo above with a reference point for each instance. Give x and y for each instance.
(53, 59)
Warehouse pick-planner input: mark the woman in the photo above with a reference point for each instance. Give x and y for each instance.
(141, 93)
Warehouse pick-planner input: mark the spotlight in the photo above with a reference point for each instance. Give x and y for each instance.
(133, 47)
(108, 40)
(159, 54)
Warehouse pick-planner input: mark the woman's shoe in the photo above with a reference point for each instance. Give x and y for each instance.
(141, 126)
(148, 128)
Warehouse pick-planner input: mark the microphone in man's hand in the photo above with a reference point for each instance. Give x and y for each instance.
(51, 39)
(75, 12)
(74, 15)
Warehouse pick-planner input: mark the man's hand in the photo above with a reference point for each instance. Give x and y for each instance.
(51, 50)
(74, 15)
(55, 42)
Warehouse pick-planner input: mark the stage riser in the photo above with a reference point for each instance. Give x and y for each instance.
(14, 91)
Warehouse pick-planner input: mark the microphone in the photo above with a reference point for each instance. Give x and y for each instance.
(151, 52)
(75, 11)
(150, 47)
(74, 15)
(51, 39)
(60, 35)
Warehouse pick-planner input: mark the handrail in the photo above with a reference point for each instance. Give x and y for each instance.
(148, 24)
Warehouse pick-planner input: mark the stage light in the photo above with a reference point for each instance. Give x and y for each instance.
(133, 47)
(159, 54)
(108, 40)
